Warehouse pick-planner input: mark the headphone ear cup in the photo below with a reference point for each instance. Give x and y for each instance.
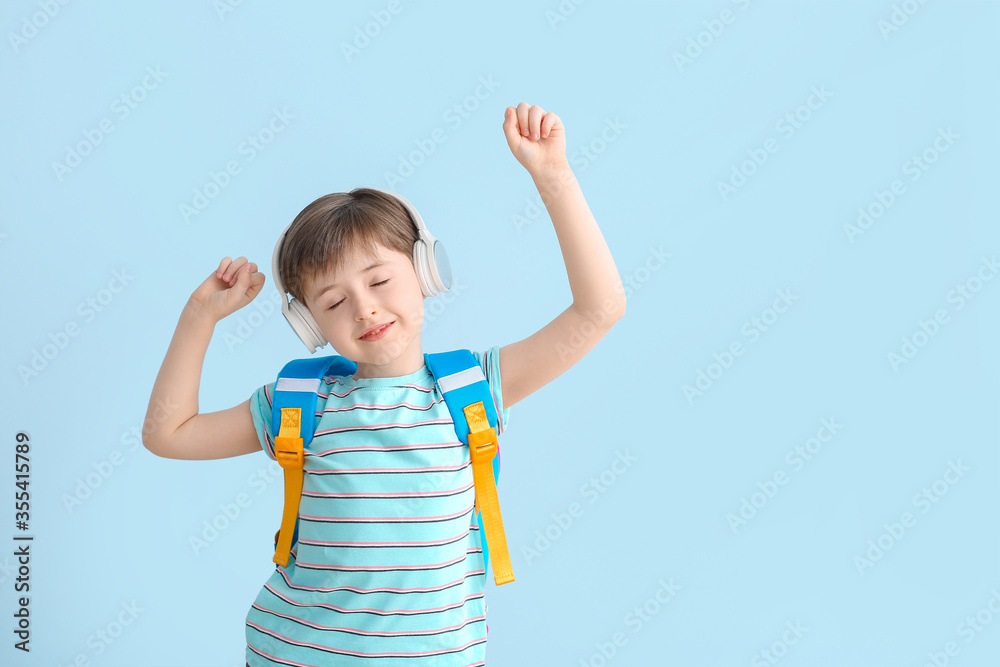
(420, 264)
(305, 325)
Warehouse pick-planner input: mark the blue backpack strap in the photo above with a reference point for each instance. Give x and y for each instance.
(461, 381)
(297, 386)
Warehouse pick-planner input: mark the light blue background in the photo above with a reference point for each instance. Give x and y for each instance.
(652, 184)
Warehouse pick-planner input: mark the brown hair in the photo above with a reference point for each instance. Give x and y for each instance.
(339, 225)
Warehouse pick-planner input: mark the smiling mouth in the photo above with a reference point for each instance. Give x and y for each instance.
(377, 333)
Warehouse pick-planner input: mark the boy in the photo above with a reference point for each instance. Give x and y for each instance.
(325, 605)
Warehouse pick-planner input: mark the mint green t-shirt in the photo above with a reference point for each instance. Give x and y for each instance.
(388, 567)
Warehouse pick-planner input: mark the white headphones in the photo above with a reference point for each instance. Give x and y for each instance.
(429, 259)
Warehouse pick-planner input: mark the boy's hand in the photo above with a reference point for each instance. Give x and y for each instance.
(233, 285)
(537, 139)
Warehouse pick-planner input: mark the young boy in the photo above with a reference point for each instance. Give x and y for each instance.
(387, 568)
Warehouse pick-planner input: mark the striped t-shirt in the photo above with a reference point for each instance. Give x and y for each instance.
(388, 567)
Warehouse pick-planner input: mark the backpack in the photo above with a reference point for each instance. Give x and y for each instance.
(461, 381)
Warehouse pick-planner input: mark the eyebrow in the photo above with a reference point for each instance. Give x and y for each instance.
(334, 284)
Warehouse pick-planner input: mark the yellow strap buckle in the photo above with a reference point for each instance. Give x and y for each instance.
(483, 446)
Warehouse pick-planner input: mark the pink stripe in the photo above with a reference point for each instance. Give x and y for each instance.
(384, 589)
(383, 426)
(348, 471)
(371, 610)
(372, 633)
(352, 389)
(399, 519)
(323, 543)
(269, 445)
(366, 655)
(391, 448)
(384, 405)
(414, 494)
(489, 379)
(284, 661)
(379, 568)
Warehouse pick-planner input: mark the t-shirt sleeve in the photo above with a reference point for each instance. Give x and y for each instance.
(490, 363)
(260, 409)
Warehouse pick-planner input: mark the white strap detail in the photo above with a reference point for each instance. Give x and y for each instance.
(461, 379)
(297, 384)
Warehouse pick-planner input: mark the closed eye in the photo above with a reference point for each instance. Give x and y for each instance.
(375, 285)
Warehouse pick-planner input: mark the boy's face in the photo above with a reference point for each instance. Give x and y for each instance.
(361, 299)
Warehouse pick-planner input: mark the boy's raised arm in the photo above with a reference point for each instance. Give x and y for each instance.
(173, 428)
(538, 141)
